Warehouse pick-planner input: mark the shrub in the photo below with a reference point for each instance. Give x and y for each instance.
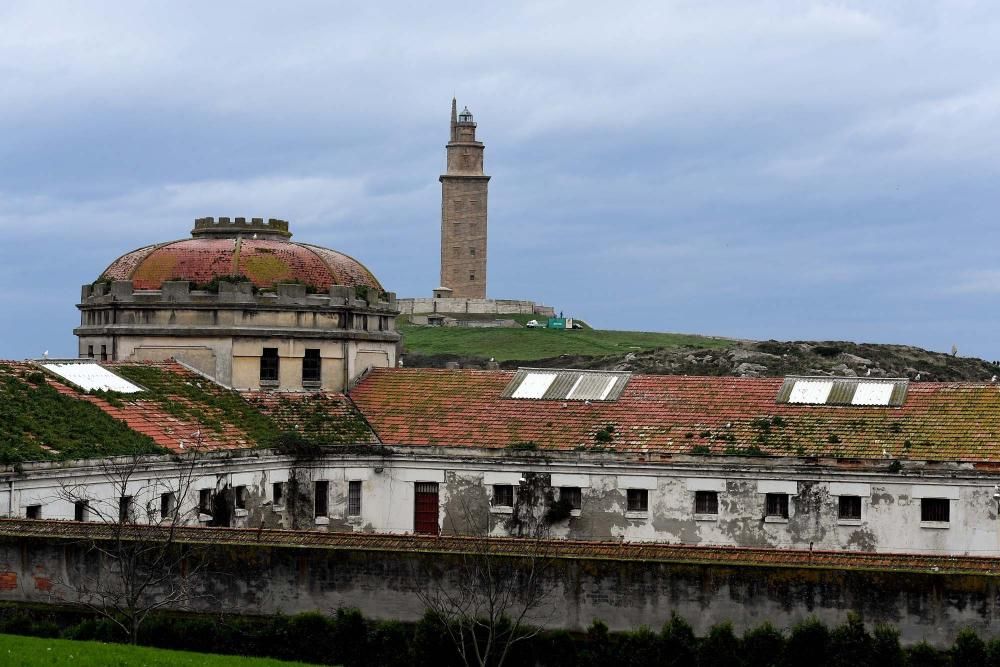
(850, 643)
(763, 645)
(313, 635)
(639, 648)
(807, 644)
(886, 651)
(599, 649)
(969, 650)
(678, 645)
(349, 634)
(925, 655)
(720, 648)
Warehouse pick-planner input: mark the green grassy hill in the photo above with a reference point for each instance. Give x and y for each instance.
(31, 651)
(679, 354)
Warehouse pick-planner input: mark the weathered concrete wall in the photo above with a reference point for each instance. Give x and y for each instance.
(454, 306)
(253, 580)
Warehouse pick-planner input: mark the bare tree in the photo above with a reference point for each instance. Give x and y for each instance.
(134, 564)
(492, 600)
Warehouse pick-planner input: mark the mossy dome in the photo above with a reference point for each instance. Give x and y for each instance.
(261, 251)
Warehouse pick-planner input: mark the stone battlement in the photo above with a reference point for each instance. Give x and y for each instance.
(232, 226)
(102, 295)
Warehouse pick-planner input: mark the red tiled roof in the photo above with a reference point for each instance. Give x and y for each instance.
(264, 261)
(508, 546)
(681, 415)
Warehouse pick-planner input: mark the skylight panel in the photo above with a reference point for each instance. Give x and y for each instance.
(92, 377)
(592, 388)
(534, 385)
(813, 392)
(872, 393)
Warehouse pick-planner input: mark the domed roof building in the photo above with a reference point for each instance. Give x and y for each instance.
(242, 303)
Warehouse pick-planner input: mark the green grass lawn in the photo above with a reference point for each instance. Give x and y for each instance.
(529, 344)
(17, 650)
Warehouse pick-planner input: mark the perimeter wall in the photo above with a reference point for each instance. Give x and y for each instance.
(251, 579)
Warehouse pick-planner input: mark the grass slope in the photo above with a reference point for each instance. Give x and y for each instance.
(529, 344)
(16, 650)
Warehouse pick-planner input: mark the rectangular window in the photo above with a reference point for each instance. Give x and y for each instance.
(240, 497)
(472, 252)
(205, 501)
(81, 511)
(383, 323)
(321, 495)
(90, 351)
(706, 502)
(311, 366)
(33, 512)
(503, 495)
(472, 276)
(278, 494)
(354, 498)
(125, 513)
(572, 495)
(269, 365)
(638, 500)
(104, 353)
(776, 504)
(850, 507)
(168, 503)
(935, 509)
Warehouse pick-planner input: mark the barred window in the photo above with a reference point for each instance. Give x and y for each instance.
(935, 509)
(777, 505)
(850, 507)
(503, 495)
(572, 495)
(706, 502)
(354, 498)
(638, 500)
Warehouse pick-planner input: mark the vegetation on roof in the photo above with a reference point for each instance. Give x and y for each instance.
(319, 420)
(39, 423)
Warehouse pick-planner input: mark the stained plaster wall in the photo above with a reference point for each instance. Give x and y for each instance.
(623, 594)
(890, 520)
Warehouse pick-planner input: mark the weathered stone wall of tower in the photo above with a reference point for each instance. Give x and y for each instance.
(463, 212)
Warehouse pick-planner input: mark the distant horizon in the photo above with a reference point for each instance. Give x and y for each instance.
(816, 172)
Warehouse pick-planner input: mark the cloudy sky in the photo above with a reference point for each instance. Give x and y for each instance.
(785, 169)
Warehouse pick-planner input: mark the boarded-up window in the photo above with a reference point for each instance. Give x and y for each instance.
(425, 508)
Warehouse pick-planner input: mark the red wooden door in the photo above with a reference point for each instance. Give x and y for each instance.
(425, 508)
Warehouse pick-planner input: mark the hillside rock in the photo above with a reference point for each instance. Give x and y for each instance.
(769, 358)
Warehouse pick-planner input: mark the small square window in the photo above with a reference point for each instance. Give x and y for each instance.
(706, 502)
(81, 511)
(573, 495)
(240, 497)
(278, 494)
(935, 509)
(168, 503)
(638, 500)
(33, 512)
(776, 504)
(503, 495)
(205, 498)
(269, 365)
(849, 507)
(321, 497)
(472, 277)
(354, 498)
(472, 252)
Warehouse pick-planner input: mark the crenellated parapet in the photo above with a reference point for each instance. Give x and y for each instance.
(228, 227)
(180, 292)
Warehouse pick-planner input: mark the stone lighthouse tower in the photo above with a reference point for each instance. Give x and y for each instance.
(463, 212)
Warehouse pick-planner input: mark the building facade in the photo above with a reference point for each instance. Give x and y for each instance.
(464, 187)
(244, 305)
